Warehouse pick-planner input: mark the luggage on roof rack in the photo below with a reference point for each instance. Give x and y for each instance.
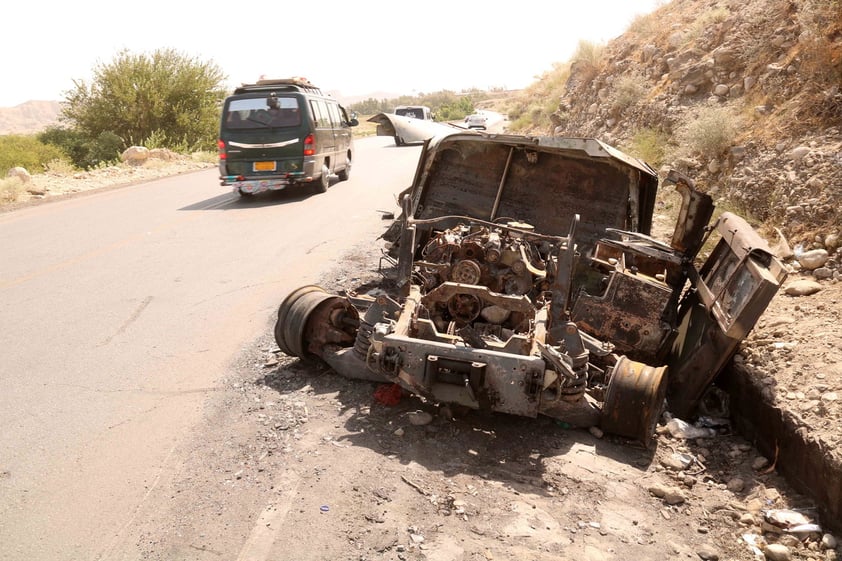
(280, 84)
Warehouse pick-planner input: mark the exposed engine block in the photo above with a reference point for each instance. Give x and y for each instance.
(485, 276)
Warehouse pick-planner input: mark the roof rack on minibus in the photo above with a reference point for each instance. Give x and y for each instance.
(280, 84)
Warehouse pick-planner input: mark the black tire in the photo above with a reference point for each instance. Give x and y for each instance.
(323, 182)
(345, 173)
(398, 141)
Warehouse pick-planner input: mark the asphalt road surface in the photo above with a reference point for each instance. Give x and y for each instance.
(119, 312)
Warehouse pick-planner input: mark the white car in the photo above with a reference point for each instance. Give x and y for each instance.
(476, 121)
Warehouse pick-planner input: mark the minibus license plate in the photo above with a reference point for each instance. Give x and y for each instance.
(264, 166)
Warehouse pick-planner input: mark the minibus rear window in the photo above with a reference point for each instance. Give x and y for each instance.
(261, 113)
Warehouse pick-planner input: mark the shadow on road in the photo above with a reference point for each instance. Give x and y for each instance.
(230, 201)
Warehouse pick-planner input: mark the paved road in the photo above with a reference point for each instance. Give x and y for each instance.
(119, 312)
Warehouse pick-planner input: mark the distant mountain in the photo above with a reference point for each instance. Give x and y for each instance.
(29, 117)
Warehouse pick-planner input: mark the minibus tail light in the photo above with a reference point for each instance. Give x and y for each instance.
(309, 145)
(220, 145)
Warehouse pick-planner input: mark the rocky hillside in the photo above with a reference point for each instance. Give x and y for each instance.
(742, 95)
(29, 117)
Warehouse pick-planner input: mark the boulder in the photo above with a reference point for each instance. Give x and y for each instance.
(20, 173)
(135, 155)
(802, 287)
(163, 154)
(724, 57)
(812, 259)
(36, 190)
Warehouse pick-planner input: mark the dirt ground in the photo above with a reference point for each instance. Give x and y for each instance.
(298, 463)
(415, 481)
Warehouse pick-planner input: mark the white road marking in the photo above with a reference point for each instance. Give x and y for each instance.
(269, 523)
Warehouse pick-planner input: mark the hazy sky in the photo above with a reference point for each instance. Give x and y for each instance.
(355, 47)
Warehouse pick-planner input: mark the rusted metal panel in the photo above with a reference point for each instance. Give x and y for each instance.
(544, 186)
(628, 314)
(732, 289)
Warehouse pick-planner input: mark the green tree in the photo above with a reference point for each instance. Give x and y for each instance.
(83, 151)
(26, 151)
(456, 110)
(167, 94)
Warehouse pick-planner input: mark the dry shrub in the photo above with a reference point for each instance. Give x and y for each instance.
(11, 189)
(708, 132)
(531, 109)
(60, 167)
(212, 157)
(821, 60)
(587, 60)
(821, 53)
(626, 91)
(646, 25)
(649, 145)
(705, 22)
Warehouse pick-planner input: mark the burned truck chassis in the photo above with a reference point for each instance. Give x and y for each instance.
(494, 316)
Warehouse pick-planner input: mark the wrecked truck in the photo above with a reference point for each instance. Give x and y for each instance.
(409, 125)
(526, 280)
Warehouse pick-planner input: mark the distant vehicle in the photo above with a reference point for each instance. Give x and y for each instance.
(420, 112)
(277, 133)
(414, 111)
(476, 121)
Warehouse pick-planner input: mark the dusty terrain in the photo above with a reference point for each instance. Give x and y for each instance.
(301, 447)
(416, 481)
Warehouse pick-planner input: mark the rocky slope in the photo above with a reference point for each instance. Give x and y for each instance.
(744, 97)
(767, 71)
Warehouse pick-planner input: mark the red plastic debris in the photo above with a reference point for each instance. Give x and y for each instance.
(388, 394)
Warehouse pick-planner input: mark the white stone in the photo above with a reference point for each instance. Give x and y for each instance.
(135, 155)
(420, 418)
(812, 259)
(713, 166)
(736, 485)
(799, 152)
(802, 287)
(777, 552)
(20, 173)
